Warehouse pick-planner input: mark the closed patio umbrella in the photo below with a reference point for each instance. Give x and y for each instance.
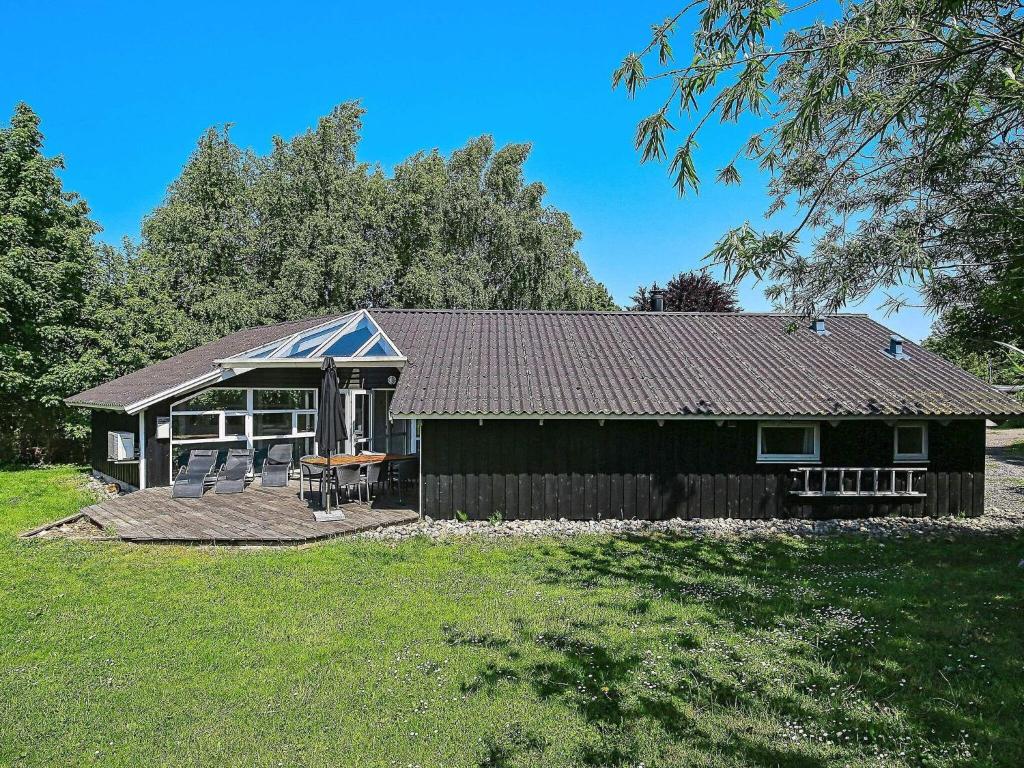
(330, 418)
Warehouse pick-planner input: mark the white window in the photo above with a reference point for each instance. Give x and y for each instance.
(910, 442)
(788, 441)
(230, 415)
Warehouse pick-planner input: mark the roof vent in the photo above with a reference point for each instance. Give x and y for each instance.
(818, 326)
(896, 348)
(657, 299)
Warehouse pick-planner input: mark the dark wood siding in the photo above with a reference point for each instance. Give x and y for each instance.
(113, 421)
(158, 452)
(578, 469)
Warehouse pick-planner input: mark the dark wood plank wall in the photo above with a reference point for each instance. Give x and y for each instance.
(577, 469)
(113, 421)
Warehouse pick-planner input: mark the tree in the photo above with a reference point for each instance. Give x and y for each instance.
(46, 259)
(690, 292)
(471, 232)
(309, 229)
(895, 130)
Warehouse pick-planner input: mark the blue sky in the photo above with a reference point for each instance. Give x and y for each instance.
(124, 91)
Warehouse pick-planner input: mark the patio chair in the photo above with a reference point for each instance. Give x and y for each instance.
(277, 466)
(309, 473)
(406, 471)
(231, 478)
(374, 474)
(346, 476)
(189, 481)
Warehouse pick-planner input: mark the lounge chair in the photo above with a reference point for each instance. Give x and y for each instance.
(277, 466)
(189, 481)
(231, 478)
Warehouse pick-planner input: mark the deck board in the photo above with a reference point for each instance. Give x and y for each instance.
(256, 516)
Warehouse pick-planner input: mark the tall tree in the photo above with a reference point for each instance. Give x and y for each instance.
(690, 292)
(470, 231)
(895, 130)
(201, 242)
(46, 258)
(309, 229)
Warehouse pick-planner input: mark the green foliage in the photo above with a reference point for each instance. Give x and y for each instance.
(591, 651)
(690, 292)
(308, 229)
(895, 131)
(46, 261)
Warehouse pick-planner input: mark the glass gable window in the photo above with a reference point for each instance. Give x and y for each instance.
(788, 442)
(305, 345)
(910, 442)
(354, 335)
(350, 343)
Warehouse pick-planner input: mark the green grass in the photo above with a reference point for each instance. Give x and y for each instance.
(596, 651)
(1016, 449)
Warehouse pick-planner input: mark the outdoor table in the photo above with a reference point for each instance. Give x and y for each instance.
(343, 459)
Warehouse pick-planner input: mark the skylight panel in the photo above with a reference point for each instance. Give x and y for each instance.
(380, 349)
(348, 344)
(306, 343)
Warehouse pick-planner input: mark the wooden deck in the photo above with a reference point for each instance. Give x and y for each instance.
(256, 516)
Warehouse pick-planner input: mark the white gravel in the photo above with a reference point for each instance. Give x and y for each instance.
(1004, 513)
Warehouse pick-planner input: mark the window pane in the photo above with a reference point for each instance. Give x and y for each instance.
(380, 349)
(787, 441)
(304, 345)
(353, 340)
(216, 399)
(278, 399)
(234, 425)
(307, 422)
(361, 428)
(398, 436)
(195, 427)
(271, 424)
(909, 439)
(381, 402)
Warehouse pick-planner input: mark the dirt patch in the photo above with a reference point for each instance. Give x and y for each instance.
(81, 528)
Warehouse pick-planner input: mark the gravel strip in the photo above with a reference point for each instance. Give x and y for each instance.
(1004, 513)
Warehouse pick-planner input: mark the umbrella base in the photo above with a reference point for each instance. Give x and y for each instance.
(323, 516)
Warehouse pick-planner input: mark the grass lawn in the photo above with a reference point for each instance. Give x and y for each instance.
(588, 652)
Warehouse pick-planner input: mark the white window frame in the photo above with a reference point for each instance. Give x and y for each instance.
(249, 413)
(909, 457)
(253, 412)
(789, 458)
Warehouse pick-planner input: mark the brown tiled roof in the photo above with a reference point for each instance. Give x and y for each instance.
(515, 363)
(669, 364)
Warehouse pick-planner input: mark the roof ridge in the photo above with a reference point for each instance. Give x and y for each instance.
(626, 312)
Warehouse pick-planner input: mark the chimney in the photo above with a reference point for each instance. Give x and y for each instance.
(818, 326)
(896, 347)
(657, 299)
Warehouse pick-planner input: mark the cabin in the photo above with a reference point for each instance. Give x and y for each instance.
(582, 415)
